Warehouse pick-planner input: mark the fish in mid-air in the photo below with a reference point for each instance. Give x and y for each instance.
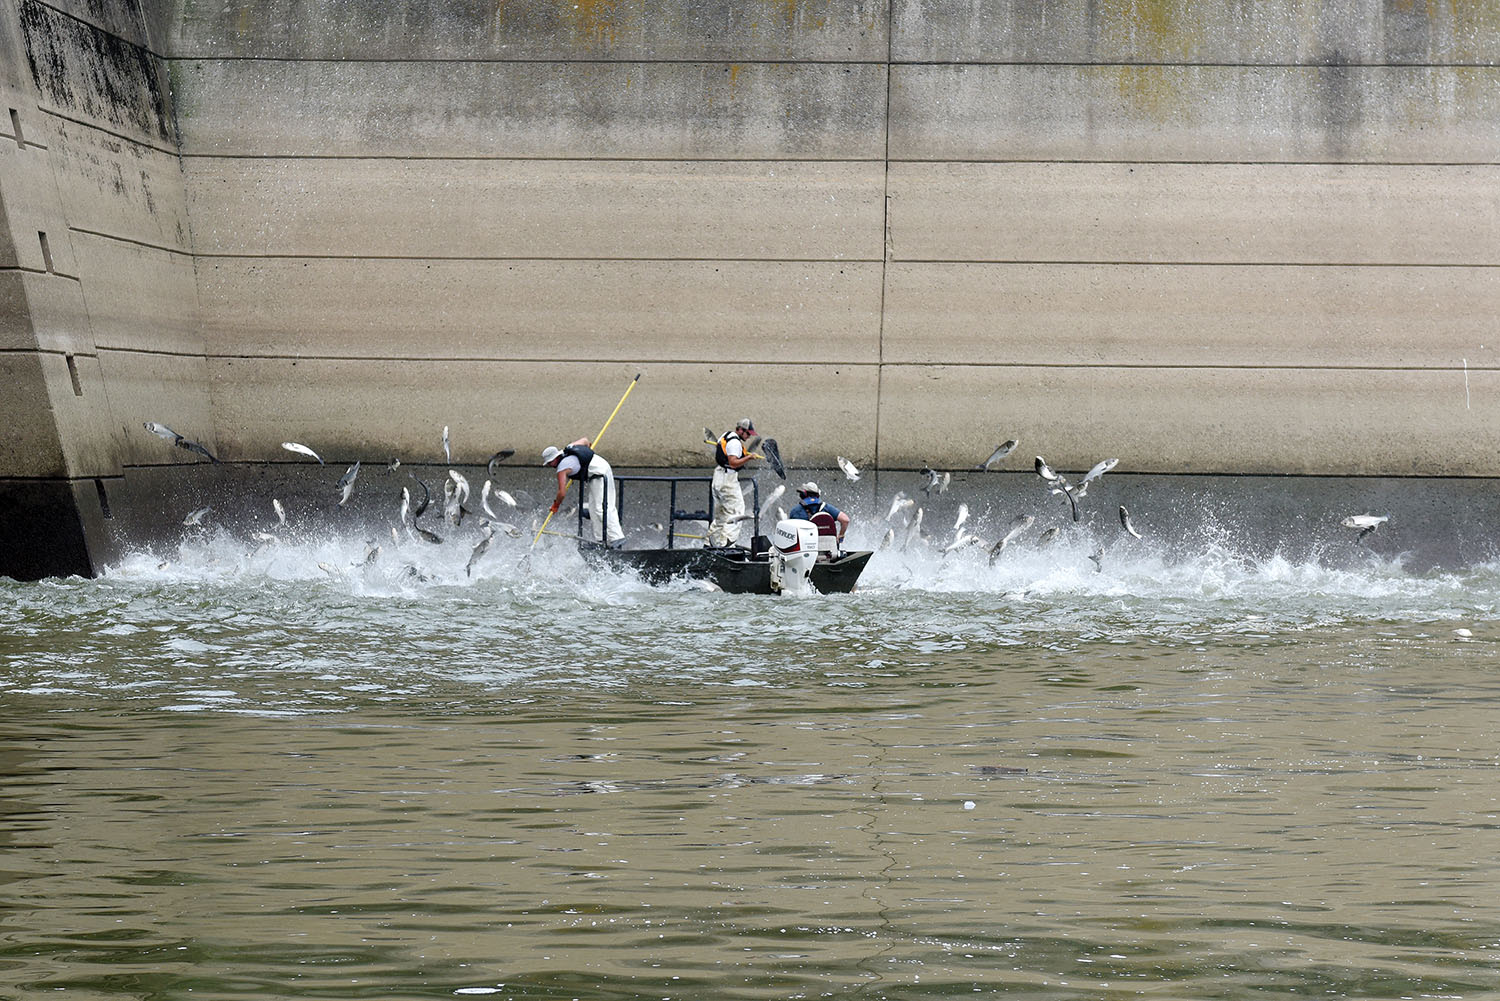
(1018, 524)
(1366, 523)
(1125, 522)
(963, 516)
(280, 511)
(772, 498)
(479, 548)
(162, 431)
(447, 452)
(297, 446)
(195, 517)
(899, 503)
(849, 469)
(1098, 470)
(1057, 484)
(497, 458)
(1000, 452)
(346, 483)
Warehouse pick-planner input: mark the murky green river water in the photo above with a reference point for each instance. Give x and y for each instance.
(286, 775)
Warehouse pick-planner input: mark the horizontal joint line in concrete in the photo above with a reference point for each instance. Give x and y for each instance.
(1183, 367)
(463, 359)
(1189, 64)
(727, 61)
(51, 351)
(503, 158)
(130, 240)
(626, 260)
(531, 61)
(980, 161)
(1023, 262)
(146, 144)
(490, 360)
(152, 352)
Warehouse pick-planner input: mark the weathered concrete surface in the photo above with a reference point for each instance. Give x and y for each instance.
(536, 209)
(1234, 114)
(1242, 316)
(631, 311)
(1305, 421)
(748, 30)
(378, 408)
(1310, 32)
(696, 110)
(1203, 237)
(1316, 214)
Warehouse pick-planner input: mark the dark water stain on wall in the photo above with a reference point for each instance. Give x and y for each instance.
(91, 74)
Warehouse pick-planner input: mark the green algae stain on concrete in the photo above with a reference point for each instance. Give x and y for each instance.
(1153, 31)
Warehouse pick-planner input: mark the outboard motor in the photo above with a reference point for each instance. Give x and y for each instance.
(793, 553)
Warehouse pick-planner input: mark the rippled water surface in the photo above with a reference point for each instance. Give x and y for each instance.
(286, 773)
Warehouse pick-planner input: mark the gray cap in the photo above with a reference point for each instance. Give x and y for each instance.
(745, 424)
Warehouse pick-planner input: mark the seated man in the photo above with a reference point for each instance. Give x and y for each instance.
(832, 523)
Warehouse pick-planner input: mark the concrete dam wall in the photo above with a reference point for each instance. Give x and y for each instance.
(1206, 238)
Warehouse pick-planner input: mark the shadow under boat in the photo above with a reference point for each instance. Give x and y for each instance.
(733, 569)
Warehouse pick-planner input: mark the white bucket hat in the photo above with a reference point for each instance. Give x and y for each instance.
(550, 453)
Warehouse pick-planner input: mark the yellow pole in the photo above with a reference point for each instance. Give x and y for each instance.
(594, 445)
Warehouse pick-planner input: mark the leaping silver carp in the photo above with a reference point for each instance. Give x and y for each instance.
(346, 483)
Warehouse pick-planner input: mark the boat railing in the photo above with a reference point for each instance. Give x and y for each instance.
(675, 513)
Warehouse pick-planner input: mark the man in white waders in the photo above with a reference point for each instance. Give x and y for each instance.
(579, 462)
(730, 453)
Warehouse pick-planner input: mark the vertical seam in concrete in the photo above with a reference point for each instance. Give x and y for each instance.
(885, 232)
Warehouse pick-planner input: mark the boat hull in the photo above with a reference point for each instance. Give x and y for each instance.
(735, 571)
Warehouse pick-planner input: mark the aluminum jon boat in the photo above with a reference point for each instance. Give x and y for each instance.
(792, 561)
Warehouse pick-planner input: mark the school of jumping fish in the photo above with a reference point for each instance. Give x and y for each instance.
(905, 517)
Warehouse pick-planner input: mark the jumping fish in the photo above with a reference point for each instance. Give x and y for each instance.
(1048, 537)
(195, 517)
(297, 446)
(933, 478)
(1098, 470)
(479, 548)
(393, 465)
(1000, 452)
(888, 538)
(772, 498)
(848, 467)
(346, 483)
(447, 452)
(959, 541)
(1057, 484)
(455, 493)
(426, 499)
(1125, 522)
(1018, 524)
(771, 452)
(162, 431)
(899, 503)
(708, 437)
(497, 458)
(371, 555)
(425, 535)
(1366, 523)
(1098, 557)
(914, 530)
(405, 514)
(963, 516)
(280, 511)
